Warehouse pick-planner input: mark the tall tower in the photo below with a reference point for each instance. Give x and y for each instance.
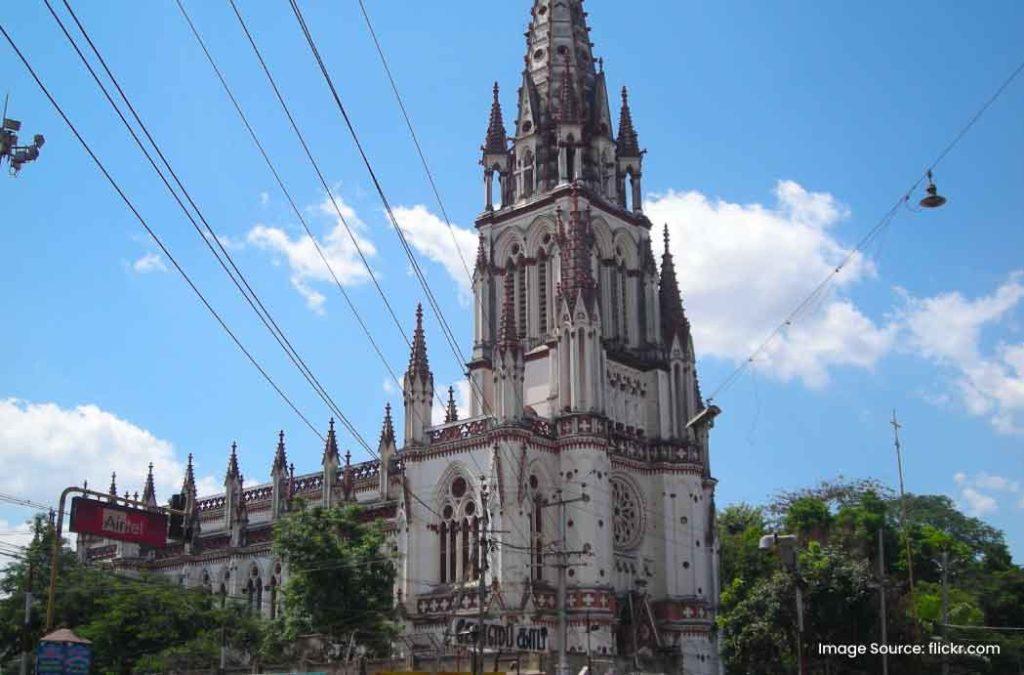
(583, 392)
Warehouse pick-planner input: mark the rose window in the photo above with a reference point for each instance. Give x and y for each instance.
(627, 515)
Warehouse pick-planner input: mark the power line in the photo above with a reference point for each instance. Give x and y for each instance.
(280, 182)
(415, 140)
(131, 206)
(865, 240)
(247, 292)
(445, 328)
(319, 173)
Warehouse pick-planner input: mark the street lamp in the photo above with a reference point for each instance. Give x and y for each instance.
(785, 545)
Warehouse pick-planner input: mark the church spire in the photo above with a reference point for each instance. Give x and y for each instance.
(280, 457)
(387, 430)
(188, 485)
(673, 317)
(628, 144)
(494, 143)
(331, 444)
(149, 491)
(451, 412)
(418, 364)
(574, 242)
(232, 463)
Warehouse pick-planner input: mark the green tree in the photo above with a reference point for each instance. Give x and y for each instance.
(340, 580)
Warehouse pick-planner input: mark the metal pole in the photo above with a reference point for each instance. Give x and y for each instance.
(945, 610)
(28, 617)
(58, 529)
(903, 516)
(478, 665)
(881, 598)
(55, 558)
(563, 665)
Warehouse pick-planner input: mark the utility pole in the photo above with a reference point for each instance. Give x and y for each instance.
(896, 426)
(945, 610)
(482, 555)
(28, 615)
(562, 565)
(881, 597)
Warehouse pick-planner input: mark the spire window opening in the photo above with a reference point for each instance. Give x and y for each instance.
(528, 172)
(522, 303)
(542, 292)
(627, 194)
(536, 541)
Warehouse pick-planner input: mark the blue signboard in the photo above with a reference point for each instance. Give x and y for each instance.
(62, 658)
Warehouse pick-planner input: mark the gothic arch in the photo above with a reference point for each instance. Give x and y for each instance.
(510, 244)
(624, 241)
(535, 234)
(602, 237)
(442, 488)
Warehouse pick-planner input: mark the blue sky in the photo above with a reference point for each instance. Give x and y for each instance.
(778, 133)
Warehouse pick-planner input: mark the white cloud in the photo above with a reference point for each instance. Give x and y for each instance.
(980, 493)
(151, 262)
(264, 198)
(978, 504)
(948, 330)
(742, 268)
(430, 235)
(304, 262)
(47, 448)
(389, 386)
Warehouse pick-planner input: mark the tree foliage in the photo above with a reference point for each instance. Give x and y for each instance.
(340, 580)
(839, 524)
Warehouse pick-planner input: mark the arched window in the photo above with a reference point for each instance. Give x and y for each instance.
(459, 542)
(273, 597)
(570, 158)
(528, 172)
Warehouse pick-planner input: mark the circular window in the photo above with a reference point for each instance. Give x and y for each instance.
(539, 54)
(534, 482)
(527, 126)
(627, 515)
(543, 9)
(563, 50)
(458, 487)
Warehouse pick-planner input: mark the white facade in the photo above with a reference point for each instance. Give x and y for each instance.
(583, 382)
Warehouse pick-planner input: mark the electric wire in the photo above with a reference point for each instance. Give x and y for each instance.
(247, 292)
(291, 201)
(153, 235)
(882, 223)
(431, 299)
(415, 140)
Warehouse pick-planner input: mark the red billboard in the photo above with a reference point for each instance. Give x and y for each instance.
(112, 521)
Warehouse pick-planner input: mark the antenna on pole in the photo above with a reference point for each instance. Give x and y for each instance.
(896, 426)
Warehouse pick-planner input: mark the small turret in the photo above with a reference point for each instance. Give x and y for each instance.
(149, 491)
(630, 158)
(495, 155)
(112, 490)
(232, 487)
(279, 478)
(387, 450)
(330, 462)
(418, 387)
(451, 413)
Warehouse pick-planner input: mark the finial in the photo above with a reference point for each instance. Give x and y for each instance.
(113, 483)
(348, 458)
(419, 315)
(331, 425)
(280, 436)
(451, 411)
(625, 95)
(665, 234)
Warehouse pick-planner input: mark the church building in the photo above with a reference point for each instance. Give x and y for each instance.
(579, 486)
